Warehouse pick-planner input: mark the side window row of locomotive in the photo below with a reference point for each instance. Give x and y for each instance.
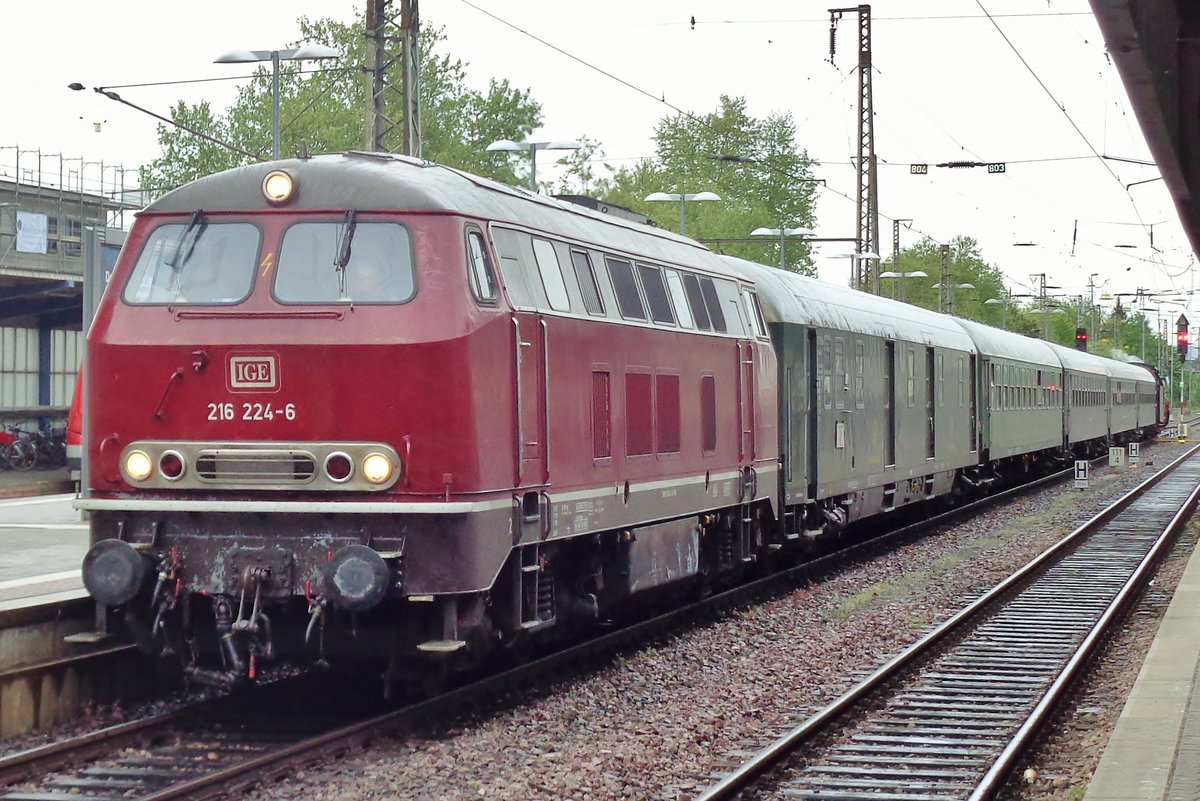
(552, 275)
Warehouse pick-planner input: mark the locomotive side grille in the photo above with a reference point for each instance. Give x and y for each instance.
(255, 466)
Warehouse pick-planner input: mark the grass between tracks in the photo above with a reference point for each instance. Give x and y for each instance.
(911, 584)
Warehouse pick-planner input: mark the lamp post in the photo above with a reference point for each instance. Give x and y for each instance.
(532, 149)
(682, 199)
(783, 234)
(307, 53)
(900, 276)
(1004, 314)
(950, 289)
(857, 257)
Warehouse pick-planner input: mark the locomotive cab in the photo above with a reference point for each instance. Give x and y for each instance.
(278, 382)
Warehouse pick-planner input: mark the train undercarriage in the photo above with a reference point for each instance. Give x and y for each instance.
(229, 595)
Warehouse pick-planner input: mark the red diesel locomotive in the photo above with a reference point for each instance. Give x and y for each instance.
(364, 405)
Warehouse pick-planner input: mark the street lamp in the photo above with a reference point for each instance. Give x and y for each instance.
(682, 199)
(783, 234)
(312, 52)
(1004, 314)
(532, 149)
(900, 276)
(951, 288)
(857, 257)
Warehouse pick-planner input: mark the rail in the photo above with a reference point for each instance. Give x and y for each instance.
(987, 664)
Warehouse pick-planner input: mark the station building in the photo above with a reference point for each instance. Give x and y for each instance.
(57, 214)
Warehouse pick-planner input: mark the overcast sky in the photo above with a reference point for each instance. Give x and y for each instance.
(1031, 87)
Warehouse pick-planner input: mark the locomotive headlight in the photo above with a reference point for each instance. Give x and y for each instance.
(138, 465)
(376, 467)
(278, 187)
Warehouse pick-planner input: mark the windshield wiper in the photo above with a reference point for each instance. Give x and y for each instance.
(344, 242)
(185, 246)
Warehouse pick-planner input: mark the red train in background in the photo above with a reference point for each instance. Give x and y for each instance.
(363, 406)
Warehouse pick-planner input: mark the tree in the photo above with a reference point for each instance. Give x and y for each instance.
(326, 109)
(754, 165)
(186, 156)
(964, 265)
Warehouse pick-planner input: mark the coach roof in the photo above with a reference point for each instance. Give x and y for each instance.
(1006, 344)
(790, 298)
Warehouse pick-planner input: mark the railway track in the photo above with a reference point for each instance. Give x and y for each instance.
(949, 717)
(212, 749)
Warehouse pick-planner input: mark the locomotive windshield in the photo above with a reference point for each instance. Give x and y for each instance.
(317, 266)
(195, 264)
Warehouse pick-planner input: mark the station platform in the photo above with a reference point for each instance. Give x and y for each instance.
(1154, 752)
(19, 484)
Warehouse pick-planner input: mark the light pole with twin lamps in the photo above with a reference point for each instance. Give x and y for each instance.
(307, 53)
(532, 149)
(783, 234)
(900, 276)
(682, 198)
(949, 287)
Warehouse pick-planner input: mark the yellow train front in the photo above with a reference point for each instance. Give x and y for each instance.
(365, 406)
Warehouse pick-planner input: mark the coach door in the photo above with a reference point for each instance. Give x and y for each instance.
(531, 358)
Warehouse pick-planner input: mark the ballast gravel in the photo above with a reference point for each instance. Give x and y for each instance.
(662, 722)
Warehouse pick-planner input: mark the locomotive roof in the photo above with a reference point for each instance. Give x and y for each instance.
(790, 298)
(384, 181)
(998, 342)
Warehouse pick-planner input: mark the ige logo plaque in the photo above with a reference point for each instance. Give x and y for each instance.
(254, 373)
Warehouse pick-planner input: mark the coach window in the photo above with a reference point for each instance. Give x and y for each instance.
(345, 262)
(205, 263)
(962, 381)
(656, 294)
(679, 299)
(826, 370)
(551, 272)
(911, 359)
(713, 303)
(691, 286)
(860, 367)
(941, 379)
(839, 373)
(628, 299)
(586, 276)
(483, 286)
